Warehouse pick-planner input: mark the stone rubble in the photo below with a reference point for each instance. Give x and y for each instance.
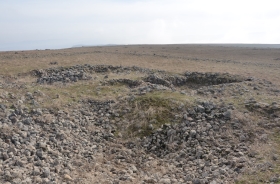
(206, 145)
(83, 72)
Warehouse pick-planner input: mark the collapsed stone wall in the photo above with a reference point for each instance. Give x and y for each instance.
(212, 78)
(84, 72)
(128, 82)
(80, 72)
(206, 145)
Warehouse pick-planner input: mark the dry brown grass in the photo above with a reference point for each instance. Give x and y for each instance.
(259, 63)
(59, 95)
(264, 147)
(265, 152)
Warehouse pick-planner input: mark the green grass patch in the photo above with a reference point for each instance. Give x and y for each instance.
(152, 110)
(60, 95)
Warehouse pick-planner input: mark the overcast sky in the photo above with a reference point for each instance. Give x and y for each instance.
(41, 24)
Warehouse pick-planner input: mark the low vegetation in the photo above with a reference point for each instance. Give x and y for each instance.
(131, 124)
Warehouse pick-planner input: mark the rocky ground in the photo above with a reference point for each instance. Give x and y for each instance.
(136, 125)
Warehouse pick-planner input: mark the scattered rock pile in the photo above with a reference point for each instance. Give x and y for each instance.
(200, 146)
(128, 82)
(155, 79)
(83, 143)
(206, 79)
(83, 72)
(43, 146)
(80, 72)
(62, 76)
(212, 78)
(253, 105)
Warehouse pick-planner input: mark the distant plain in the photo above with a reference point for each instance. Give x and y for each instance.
(257, 61)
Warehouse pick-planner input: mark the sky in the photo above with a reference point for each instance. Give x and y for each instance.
(53, 24)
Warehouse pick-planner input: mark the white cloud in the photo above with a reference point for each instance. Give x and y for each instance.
(133, 22)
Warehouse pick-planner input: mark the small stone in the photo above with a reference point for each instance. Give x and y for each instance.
(45, 181)
(196, 181)
(227, 114)
(165, 181)
(13, 119)
(67, 177)
(274, 179)
(13, 150)
(133, 168)
(20, 163)
(242, 138)
(150, 180)
(46, 172)
(150, 127)
(189, 119)
(200, 108)
(27, 121)
(264, 137)
(17, 180)
(40, 153)
(66, 171)
(193, 133)
(43, 146)
(274, 157)
(5, 156)
(57, 169)
(36, 171)
(27, 181)
(16, 173)
(37, 179)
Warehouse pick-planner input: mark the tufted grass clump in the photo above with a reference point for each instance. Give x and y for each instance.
(149, 112)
